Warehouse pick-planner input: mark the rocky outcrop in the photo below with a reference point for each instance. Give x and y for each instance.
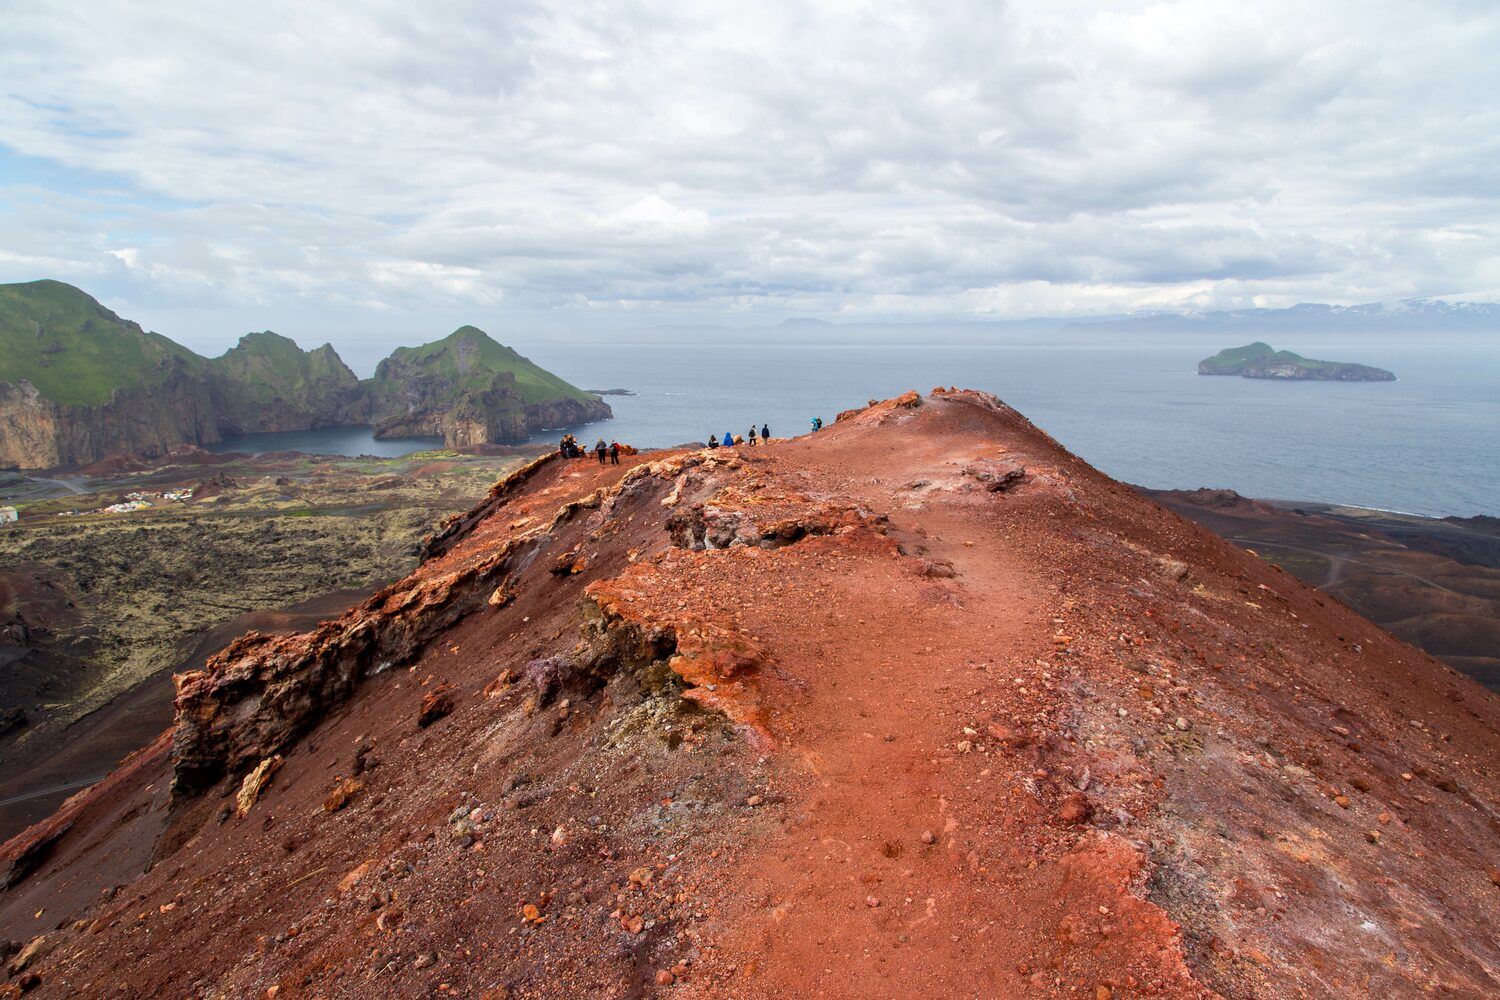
(452, 530)
(781, 521)
(262, 692)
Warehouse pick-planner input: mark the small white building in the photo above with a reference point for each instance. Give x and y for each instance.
(8, 514)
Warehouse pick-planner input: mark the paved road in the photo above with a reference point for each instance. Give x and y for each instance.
(1338, 562)
(71, 487)
(39, 792)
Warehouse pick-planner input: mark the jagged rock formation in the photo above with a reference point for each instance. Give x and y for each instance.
(78, 384)
(918, 705)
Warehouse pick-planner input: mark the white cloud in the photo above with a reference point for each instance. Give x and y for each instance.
(692, 158)
(653, 209)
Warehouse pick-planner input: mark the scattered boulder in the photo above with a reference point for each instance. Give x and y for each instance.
(1171, 569)
(435, 704)
(503, 594)
(343, 793)
(255, 782)
(547, 676)
(1075, 809)
(33, 950)
(938, 569)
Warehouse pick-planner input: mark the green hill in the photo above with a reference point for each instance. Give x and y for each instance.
(75, 351)
(266, 382)
(1261, 360)
(268, 364)
(468, 357)
(472, 390)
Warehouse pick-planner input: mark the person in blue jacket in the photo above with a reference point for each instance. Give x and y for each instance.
(728, 440)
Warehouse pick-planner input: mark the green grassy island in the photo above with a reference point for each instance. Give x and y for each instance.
(1261, 360)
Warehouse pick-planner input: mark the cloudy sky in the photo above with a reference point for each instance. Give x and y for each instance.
(211, 167)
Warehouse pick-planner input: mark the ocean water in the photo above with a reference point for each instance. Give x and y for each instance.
(1426, 444)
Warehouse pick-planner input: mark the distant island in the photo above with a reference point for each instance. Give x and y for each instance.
(79, 384)
(1261, 360)
(612, 392)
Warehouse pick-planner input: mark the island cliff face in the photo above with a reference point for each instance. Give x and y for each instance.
(79, 383)
(471, 390)
(268, 383)
(147, 420)
(1261, 360)
(919, 705)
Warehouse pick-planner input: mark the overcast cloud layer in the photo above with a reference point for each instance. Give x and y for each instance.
(633, 161)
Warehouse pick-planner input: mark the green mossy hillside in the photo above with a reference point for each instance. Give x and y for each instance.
(75, 351)
(467, 359)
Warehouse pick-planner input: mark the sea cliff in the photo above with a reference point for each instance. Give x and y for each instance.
(79, 383)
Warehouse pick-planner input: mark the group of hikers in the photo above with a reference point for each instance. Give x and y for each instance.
(570, 448)
(730, 440)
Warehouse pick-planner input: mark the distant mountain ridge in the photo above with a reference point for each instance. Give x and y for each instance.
(1417, 314)
(1414, 315)
(79, 383)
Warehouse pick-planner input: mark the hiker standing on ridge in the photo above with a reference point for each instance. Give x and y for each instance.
(765, 433)
(600, 449)
(614, 453)
(752, 435)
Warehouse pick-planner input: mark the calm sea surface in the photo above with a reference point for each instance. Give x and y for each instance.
(327, 441)
(1427, 444)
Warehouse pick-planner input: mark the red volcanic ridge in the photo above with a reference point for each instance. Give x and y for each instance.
(918, 705)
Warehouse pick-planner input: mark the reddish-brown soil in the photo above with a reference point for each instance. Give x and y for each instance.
(868, 713)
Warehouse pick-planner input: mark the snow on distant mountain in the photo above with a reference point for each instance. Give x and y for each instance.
(1432, 314)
